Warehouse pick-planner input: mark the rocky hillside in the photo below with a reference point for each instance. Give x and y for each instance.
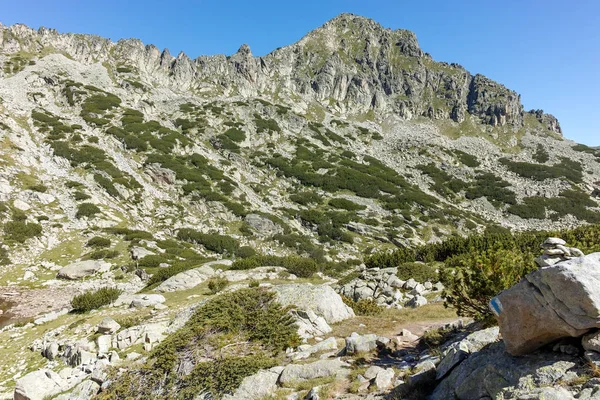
(123, 166)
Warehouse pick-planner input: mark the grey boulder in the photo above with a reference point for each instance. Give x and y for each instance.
(492, 372)
(258, 386)
(295, 373)
(263, 225)
(458, 351)
(562, 300)
(108, 326)
(38, 385)
(81, 269)
(321, 299)
(186, 279)
(356, 343)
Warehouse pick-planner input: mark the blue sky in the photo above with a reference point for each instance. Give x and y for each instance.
(548, 51)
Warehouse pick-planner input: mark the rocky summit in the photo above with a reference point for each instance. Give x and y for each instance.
(306, 224)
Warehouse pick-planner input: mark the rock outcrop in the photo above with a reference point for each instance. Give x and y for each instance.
(186, 279)
(493, 373)
(388, 71)
(558, 301)
(39, 385)
(81, 269)
(321, 299)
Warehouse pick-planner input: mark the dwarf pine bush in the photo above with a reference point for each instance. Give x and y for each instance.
(92, 300)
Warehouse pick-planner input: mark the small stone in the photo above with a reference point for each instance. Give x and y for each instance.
(132, 356)
(372, 372)
(384, 379)
(108, 326)
(553, 241)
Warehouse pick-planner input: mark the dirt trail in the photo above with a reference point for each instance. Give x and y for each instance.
(417, 327)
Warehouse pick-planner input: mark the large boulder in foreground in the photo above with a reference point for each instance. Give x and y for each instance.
(320, 299)
(553, 302)
(492, 373)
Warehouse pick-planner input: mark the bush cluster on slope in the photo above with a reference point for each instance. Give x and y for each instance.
(178, 367)
(478, 267)
(92, 300)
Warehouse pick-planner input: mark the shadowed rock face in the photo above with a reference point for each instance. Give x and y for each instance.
(350, 64)
(553, 302)
(491, 371)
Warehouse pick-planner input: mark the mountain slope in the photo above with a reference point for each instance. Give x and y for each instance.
(350, 141)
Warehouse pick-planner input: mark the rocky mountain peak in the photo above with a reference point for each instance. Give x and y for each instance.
(350, 65)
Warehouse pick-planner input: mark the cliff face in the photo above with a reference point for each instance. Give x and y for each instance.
(350, 65)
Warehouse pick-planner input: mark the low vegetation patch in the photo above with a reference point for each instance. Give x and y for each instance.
(87, 210)
(214, 242)
(98, 242)
(250, 319)
(568, 169)
(20, 230)
(215, 285)
(92, 300)
(363, 307)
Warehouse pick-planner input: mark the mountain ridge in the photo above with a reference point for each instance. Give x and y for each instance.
(431, 89)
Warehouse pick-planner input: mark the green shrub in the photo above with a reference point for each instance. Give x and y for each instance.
(151, 261)
(86, 210)
(569, 169)
(98, 103)
(213, 242)
(418, 271)
(103, 254)
(38, 188)
(541, 155)
(235, 134)
(532, 207)
(225, 375)
(20, 231)
(131, 234)
(4, 259)
(471, 280)
(367, 307)
(80, 196)
(262, 327)
(215, 285)
(299, 266)
(346, 204)
(266, 125)
(92, 300)
(107, 185)
(467, 159)
(585, 149)
(493, 188)
(245, 252)
(98, 242)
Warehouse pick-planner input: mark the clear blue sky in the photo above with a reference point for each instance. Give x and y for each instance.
(546, 50)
